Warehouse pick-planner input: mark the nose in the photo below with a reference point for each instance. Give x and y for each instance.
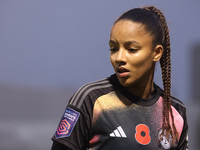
(121, 56)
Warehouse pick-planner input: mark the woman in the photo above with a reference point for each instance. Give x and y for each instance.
(127, 110)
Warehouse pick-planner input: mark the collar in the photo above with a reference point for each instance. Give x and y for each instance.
(135, 99)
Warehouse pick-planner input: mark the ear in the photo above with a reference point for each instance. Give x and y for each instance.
(158, 52)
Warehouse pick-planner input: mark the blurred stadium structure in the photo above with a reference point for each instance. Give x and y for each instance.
(29, 116)
(194, 103)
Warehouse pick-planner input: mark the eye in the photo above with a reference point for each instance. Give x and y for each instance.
(113, 50)
(132, 50)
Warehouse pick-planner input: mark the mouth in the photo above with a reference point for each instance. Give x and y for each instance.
(122, 72)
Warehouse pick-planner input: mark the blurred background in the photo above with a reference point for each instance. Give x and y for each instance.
(49, 48)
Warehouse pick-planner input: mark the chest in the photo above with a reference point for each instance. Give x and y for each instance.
(119, 124)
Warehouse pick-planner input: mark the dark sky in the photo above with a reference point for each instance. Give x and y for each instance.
(62, 43)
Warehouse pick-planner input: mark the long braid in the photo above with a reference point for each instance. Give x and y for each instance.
(165, 63)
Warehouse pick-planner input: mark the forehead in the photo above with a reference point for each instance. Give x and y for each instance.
(126, 29)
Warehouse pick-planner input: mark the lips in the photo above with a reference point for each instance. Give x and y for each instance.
(122, 72)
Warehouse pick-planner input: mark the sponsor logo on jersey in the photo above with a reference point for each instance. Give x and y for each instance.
(67, 123)
(166, 143)
(119, 132)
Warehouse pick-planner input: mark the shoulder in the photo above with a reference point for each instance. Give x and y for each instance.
(176, 103)
(179, 106)
(91, 91)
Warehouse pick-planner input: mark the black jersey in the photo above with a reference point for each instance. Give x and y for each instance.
(104, 116)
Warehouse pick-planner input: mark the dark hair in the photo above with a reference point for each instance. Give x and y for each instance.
(155, 23)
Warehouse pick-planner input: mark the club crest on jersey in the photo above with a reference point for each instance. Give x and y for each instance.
(67, 123)
(166, 143)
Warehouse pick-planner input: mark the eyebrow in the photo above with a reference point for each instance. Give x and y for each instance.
(112, 42)
(126, 43)
(131, 42)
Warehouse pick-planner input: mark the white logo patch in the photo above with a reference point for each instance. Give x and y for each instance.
(119, 132)
(166, 143)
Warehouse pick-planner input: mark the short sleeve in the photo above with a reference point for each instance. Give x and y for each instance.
(73, 129)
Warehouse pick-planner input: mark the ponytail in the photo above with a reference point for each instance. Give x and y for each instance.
(165, 63)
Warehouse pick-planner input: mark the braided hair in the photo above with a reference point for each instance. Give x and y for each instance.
(156, 24)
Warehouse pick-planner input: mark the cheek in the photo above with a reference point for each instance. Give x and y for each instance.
(112, 60)
(141, 62)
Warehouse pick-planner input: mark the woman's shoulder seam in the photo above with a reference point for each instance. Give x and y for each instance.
(177, 101)
(80, 95)
(173, 99)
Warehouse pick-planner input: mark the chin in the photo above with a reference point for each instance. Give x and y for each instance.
(129, 82)
(125, 83)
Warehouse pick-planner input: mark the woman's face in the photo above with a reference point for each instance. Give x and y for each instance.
(132, 54)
